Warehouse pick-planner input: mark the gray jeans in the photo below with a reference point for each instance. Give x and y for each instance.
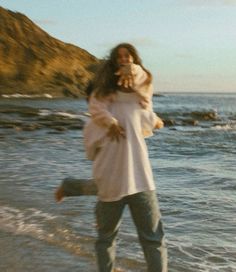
(146, 216)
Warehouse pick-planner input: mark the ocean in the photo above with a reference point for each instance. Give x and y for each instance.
(193, 160)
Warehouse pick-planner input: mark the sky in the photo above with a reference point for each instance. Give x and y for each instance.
(188, 45)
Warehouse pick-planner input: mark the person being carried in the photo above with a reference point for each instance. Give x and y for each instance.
(130, 76)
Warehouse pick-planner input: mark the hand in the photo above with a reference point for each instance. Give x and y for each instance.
(126, 76)
(115, 132)
(159, 124)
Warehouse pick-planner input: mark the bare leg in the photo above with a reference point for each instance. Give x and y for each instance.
(59, 194)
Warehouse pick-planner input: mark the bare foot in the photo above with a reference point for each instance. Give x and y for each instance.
(59, 194)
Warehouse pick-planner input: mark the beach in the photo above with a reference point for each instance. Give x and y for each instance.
(193, 160)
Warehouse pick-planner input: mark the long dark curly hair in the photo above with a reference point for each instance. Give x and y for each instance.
(105, 80)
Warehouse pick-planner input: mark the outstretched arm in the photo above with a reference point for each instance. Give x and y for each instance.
(134, 78)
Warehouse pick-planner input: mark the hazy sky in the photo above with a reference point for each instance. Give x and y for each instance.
(188, 45)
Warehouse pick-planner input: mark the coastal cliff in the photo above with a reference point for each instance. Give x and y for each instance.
(34, 63)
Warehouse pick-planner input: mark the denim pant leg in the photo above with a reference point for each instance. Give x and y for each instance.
(147, 218)
(78, 187)
(108, 215)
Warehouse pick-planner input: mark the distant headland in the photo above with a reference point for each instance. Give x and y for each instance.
(32, 63)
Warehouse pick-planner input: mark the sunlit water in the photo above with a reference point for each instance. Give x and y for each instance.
(194, 168)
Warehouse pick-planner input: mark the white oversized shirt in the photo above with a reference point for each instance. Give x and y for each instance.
(121, 168)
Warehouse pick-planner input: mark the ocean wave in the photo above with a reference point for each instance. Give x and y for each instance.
(46, 112)
(24, 222)
(198, 128)
(25, 118)
(17, 95)
(231, 125)
(28, 221)
(42, 226)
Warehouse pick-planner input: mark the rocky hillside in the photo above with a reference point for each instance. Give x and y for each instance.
(34, 63)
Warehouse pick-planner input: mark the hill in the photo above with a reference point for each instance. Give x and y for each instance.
(33, 63)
